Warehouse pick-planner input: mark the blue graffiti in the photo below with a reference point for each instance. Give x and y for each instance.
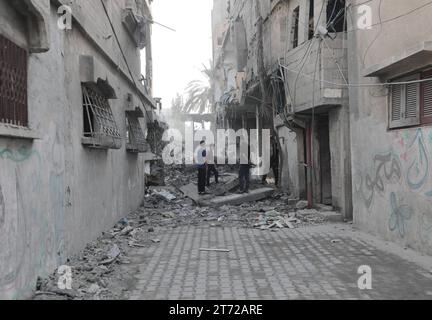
(418, 171)
(20, 155)
(400, 214)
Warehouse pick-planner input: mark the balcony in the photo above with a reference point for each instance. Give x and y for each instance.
(329, 88)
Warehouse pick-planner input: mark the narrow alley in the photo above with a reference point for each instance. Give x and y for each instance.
(172, 249)
(215, 150)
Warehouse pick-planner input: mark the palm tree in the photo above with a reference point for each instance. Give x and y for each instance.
(200, 93)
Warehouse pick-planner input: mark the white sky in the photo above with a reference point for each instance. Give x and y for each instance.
(178, 56)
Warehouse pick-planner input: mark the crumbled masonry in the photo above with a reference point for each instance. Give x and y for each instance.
(101, 272)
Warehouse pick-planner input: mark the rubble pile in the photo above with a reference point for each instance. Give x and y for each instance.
(97, 272)
(102, 270)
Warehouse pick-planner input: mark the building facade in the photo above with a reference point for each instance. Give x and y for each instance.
(276, 71)
(391, 123)
(348, 83)
(73, 115)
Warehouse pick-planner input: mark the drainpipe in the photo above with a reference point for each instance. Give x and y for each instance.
(309, 166)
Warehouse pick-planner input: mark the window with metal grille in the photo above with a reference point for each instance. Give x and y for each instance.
(136, 141)
(411, 103)
(99, 121)
(13, 83)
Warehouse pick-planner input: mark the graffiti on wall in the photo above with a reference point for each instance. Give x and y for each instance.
(2, 208)
(417, 161)
(400, 214)
(387, 168)
(18, 266)
(17, 156)
(407, 165)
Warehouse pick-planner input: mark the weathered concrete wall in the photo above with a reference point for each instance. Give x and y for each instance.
(56, 195)
(340, 152)
(292, 167)
(392, 184)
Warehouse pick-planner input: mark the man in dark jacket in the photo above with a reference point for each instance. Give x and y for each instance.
(244, 171)
(202, 167)
(211, 165)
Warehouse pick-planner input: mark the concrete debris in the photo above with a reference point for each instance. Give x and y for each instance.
(165, 195)
(324, 208)
(100, 263)
(237, 199)
(301, 205)
(215, 250)
(94, 288)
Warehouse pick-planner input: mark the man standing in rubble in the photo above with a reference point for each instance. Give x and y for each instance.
(211, 165)
(245, 166)
(201, 161)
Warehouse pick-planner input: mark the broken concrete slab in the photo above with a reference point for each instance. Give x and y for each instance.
(301, 205)
(165, 194)
(191, 192)
(215, 250)
(223, 188)
(237, 199)
(331, 216)
(324, 208)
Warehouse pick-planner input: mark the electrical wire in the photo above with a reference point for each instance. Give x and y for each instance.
(383, 21)
(335, 60)
(377, 36)
(358, 84)
(124, 56)
(307, 53)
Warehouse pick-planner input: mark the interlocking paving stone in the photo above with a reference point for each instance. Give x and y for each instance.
(288, 264)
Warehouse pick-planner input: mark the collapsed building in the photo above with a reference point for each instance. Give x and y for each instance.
(73, 123)
(348, 86)
(266, 55)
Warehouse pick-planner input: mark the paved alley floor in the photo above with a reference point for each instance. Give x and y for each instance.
(319, 262)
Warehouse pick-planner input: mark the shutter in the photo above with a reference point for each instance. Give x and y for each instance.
(426, 98)
(412, 100)
(405, 103)
(396, 103)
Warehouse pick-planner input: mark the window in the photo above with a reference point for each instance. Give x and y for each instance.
(13, 84)
(100, 128)
(336, 20)
(136, 141)
(311, 31)
(411, 103)
(295, 28)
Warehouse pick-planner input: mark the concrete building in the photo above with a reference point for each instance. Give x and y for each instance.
(274, 71)
(348, 85)
(390, 124)
(73, 114)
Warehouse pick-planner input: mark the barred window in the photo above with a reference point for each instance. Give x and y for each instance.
(13, 83)
(136, 141)
(100, 127)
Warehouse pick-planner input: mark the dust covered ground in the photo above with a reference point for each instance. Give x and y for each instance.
(104, 270)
